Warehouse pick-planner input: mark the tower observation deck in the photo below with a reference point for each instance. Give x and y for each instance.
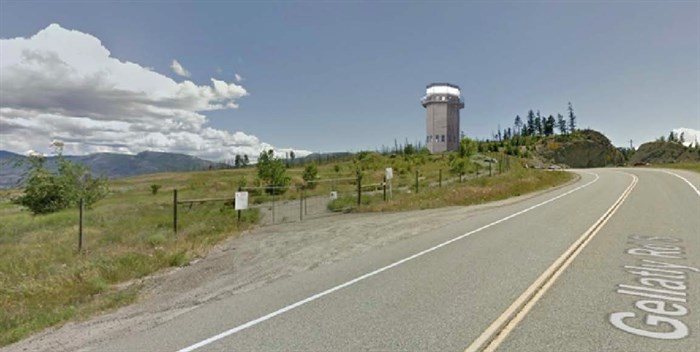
(442, 102)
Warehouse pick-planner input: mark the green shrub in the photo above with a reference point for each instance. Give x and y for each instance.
(154, 189)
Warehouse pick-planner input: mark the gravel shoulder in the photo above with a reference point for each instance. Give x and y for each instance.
(248, 261)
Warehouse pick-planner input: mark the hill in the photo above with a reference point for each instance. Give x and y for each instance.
(582, 149)
(13, 167)
(664, 152)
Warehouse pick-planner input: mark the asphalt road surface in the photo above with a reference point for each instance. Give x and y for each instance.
(608, 263)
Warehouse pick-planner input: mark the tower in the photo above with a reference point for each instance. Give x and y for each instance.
(442, 102)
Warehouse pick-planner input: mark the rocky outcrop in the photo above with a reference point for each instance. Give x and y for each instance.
(664, 153)
(585, 148)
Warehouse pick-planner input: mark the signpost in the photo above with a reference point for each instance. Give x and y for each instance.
(388, 175)
(240, 203)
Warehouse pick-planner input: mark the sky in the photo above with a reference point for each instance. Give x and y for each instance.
(219, 78)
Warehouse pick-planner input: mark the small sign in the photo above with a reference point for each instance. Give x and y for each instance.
(241, 200)
(334, 195)
(389, 173)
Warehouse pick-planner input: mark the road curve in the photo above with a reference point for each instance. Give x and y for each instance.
(440, 291)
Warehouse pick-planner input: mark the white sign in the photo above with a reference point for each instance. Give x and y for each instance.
(334, 195)
(241, 200)
(389, 173)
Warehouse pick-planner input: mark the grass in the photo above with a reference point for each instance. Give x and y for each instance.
(684, 166)
(480, 190)
(44, 281)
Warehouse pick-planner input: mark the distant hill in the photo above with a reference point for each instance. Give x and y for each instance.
(13, 167)
(584, 148)
(664, 152)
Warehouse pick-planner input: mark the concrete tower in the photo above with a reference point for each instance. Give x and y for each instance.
(442, 103)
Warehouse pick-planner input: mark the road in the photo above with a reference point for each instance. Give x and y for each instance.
(608, 263)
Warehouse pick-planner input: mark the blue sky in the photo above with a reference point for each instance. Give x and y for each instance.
(337, 76)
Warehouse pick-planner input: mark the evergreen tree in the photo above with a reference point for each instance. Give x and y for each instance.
(561, 124)
(549, 125)
(238, 161)
(539, 123)
(246, 161)
(530, 127)
(572, 118)
(518, 124)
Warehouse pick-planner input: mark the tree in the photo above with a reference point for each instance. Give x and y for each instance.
(561, 124)
(310, 174)
(672, 137)
(518, 124)
(238, 161)
(539, 124)
(467, 147)
(246, 161)
(530, 127)
(572, 118)
(272, 172)
(292, 155)
(47, 192)
(549, 125)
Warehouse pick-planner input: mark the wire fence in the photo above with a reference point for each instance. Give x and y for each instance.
(324, 197)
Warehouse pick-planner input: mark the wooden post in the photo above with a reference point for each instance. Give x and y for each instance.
(384, 188)
(301, 205)
(490, 164)
(175, 211)
(359, 191)
(416, 181)
(440, 178)
(80, 226)
(273, 205)
(238, 221)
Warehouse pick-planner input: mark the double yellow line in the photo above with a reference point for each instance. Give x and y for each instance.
(494, 335)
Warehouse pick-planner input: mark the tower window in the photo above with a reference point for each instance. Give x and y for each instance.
(443, 137)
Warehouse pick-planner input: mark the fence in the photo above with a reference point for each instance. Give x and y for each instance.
(329, 196)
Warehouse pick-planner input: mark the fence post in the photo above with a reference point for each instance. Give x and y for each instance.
(301, 205)
(384, 188)
(273, 205)
(440, 178)
(175, 211)
(416, 181)
(80, 226)
(490, 165)
(359, 190)
(238, 221)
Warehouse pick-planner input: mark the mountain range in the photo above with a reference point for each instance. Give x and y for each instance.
(14, 166)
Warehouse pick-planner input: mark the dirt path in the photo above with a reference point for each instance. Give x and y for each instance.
(246, 262)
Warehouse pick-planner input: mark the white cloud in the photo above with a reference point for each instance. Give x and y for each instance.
(177, 68)
(690, 136)
(238, 77)
(64, 85)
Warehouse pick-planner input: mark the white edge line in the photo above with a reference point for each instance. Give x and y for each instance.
(684, 179)
(375, 272)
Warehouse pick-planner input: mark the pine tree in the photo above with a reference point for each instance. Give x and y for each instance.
(518, 124)
(539, 124)
(561, 124)
(549, 125)
(530, 127)
(572, 118)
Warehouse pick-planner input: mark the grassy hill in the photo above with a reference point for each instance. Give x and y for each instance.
(664, 152)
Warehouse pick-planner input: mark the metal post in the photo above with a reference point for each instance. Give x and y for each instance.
(80, 227)
(440, 178)
(301, 205)
(175, 211)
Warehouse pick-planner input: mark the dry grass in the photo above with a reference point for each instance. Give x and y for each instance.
(684, 166)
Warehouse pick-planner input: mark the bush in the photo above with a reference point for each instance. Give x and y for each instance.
(154, 189)
(46, 192)
(310, 175)
(272, 172)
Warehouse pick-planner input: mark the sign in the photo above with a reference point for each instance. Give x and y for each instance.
(389, 173)
(241, 200)
(334, 195)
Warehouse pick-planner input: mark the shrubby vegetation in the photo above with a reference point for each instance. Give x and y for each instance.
(47, 192)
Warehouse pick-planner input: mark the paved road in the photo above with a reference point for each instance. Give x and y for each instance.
(634, 286)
